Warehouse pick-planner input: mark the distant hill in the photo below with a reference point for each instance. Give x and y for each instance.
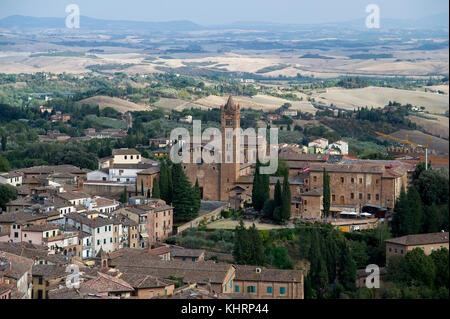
(86, 23)
(25, 22)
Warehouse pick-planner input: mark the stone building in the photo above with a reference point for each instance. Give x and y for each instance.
(427, 242)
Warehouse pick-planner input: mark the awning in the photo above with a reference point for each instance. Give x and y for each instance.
(349, 213)
(366, 214)
(145, 235)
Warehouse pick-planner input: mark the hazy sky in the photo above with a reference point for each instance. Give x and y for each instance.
(209, 12)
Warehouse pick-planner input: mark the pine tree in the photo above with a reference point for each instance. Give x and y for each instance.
(156, 191)
(326, 193)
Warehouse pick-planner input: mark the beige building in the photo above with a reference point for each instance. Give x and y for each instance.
(427, 242)
(266, 283)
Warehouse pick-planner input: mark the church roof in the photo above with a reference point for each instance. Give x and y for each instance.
(231, 105)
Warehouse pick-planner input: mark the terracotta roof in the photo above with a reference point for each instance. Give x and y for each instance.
(71, 195)
(177, 252)
(49, 272)
(420, 239)
(252, 273)
(314, 192)
(105, 283)
(125, 151)
(144, 281)
(159, 250)
(40, 228)
(149, 171)
(203, 272)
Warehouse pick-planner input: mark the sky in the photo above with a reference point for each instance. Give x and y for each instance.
(214, 12)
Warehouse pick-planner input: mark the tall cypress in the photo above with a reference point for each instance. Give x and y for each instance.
(142, 187)
(198, 196)
(277, 194)
(136, 187)
(156, 193)
(326, 193)
(256, 190)
(184, 199)
(286, 199)
(164, 182)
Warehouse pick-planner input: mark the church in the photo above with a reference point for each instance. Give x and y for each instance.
(220, 181)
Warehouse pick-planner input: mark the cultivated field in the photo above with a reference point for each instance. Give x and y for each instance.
(438, 144)
(231, 224)
(178, 104)
(119, 105)
(258, 102)
(439, 126)
(380, 96)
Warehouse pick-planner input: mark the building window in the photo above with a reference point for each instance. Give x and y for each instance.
(368, 196)
(333, 198)
(40, 280)
(342, 180)
(125, 157)
(360, 180)
(353, 180)
(360, 195)
(131, 157)
(314, 178)
(377, 196)
(352, 196)
(236, 288)
(269, 290)
(251, 289)
(282, 290)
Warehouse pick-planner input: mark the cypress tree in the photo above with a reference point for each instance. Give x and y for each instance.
(326, 193)
(142, 187)
(414, 215)
(4, 141)
(184, 199)
(164, 182)
(124, 195)
(256, 190)
(286, 199)
(136, 187)
(346, 268)
(155, 191)
(400, 210)
(257, 248)
(241, 247)
(277, 194)
(198, 195)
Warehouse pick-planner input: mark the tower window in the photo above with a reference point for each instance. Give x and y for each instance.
(228, 122)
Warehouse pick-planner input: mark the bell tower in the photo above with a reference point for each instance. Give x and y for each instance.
(229, 172)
